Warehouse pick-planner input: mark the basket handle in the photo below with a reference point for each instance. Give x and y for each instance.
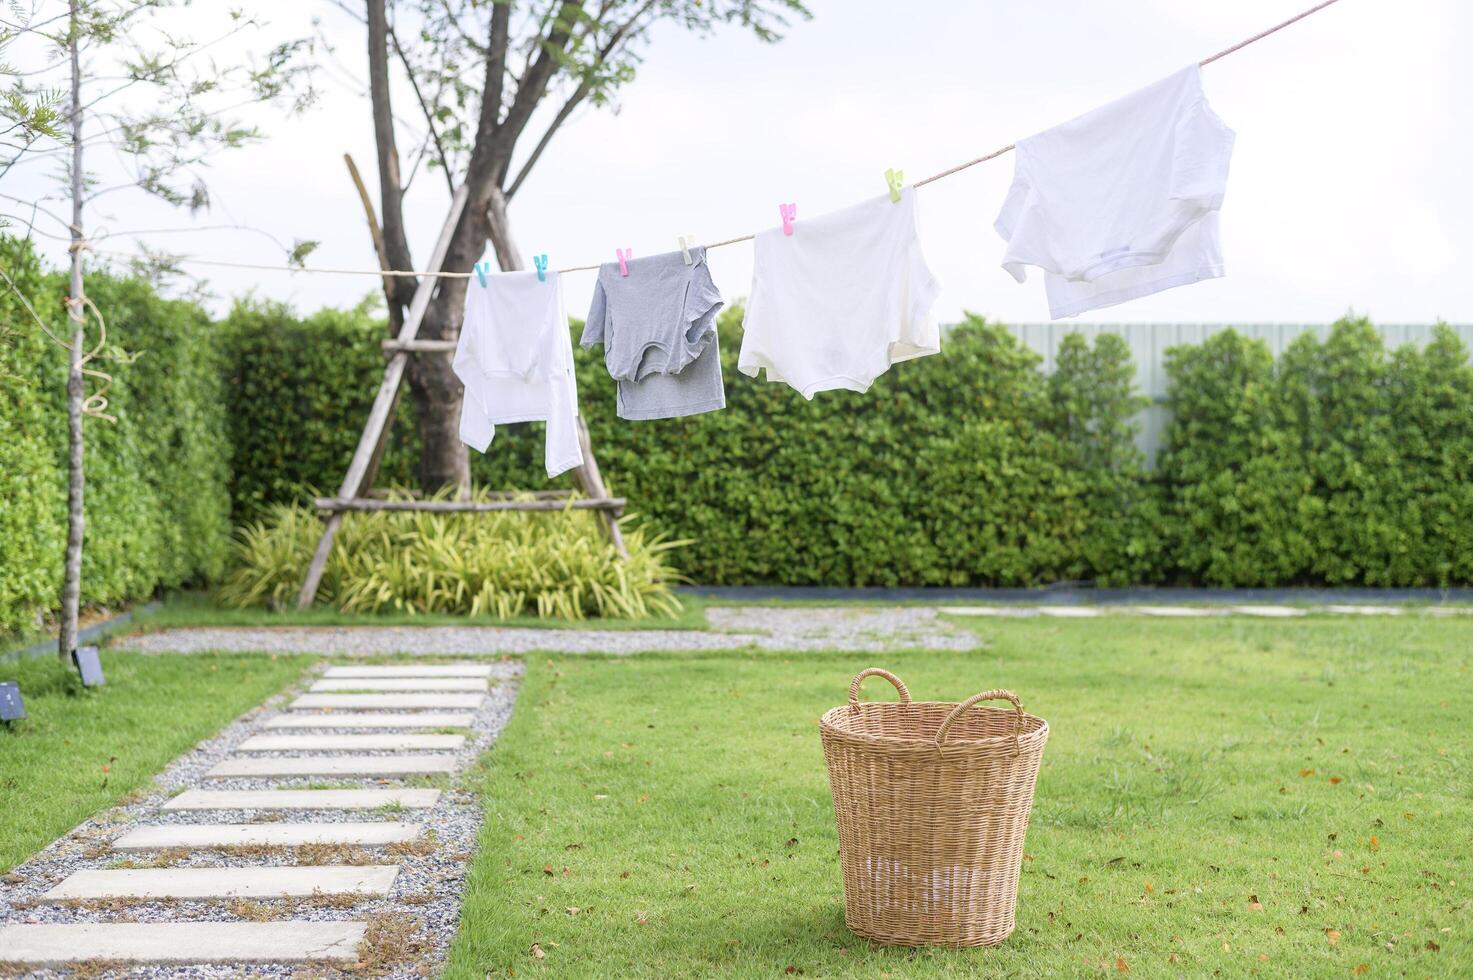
(871, 672)
(996, 695)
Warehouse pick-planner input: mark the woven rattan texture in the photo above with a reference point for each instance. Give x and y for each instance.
(931, 829)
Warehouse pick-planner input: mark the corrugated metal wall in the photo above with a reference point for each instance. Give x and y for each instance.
(1149, 342)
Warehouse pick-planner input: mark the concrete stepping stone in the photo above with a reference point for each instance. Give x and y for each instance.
(1180, 612)
(53, 945)
(334, 765)
(400, 684)
(150, 883)
(413, 670)
(303, 799)
(1269, 612)
(1069, 612)
(1366, 610)
(371, 719)
(392, 701)
(154, 838)
(1018, 612)
(351, 743)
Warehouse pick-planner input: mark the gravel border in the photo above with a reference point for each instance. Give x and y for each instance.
(427, 888)
(879, 629)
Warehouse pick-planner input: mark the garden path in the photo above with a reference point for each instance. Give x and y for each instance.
(239, 859)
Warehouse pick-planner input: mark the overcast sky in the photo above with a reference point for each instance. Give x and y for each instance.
(1349, 186)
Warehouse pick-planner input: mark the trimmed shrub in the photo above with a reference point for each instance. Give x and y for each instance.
(297, 392)
(901, 485)
(1344, 464)
(156, 505)
(32, 504)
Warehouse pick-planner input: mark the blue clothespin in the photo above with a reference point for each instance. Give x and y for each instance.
(481, 269)
(895, 179)
(540, 261)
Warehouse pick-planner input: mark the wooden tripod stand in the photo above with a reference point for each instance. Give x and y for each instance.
(354, 492)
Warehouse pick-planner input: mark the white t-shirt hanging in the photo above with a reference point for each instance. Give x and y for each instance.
(515, 358)
(1122, 201)
(842, 298)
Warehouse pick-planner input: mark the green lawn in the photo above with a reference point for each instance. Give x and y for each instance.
(194, 609)
(82, 750)
(1287, 798)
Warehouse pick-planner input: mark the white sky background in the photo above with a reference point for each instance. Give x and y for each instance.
(1349, 186)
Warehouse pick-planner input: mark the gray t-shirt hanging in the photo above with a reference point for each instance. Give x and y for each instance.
(658, 328)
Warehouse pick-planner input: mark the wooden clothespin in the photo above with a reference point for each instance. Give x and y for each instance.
(789, 213)
(895, 179)
(540, 261)
(625, 254)
(687, 242)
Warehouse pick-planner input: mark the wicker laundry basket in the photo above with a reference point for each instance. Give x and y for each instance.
(932, 801)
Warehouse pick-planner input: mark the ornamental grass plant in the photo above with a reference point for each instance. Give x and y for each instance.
(500, 564)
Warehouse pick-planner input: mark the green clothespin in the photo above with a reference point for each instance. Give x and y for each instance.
(895, 178)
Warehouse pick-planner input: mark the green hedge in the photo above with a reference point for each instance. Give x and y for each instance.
(297, 393)
(1341, 464)
(971, 468)
(157, 503)
(1344, 463)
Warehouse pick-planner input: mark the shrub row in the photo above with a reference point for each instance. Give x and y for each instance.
(1342, 463)
(158, 507)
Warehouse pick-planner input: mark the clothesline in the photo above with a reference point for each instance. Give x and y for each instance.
(958, 168)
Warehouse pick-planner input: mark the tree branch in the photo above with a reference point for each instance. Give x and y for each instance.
(425, 109)
(620, 35)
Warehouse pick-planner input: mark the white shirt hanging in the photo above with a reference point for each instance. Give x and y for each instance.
(1122, 201)
(515, 358)
(842, 298)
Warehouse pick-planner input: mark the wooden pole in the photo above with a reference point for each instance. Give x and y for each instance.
(613, 504)
(374, 231)
(361, 470)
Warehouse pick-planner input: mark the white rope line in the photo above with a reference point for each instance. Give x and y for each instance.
(729, 241)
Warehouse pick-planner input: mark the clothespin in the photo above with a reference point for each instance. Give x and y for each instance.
(540, 261)
(625, 254)
(686, 243)
(789, 212)
(895, 179)
(481, 269)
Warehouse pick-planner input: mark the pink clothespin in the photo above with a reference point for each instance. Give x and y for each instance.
(625, 254)
(789, 212)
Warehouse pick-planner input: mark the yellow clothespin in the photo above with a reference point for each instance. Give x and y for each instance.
(895, 179)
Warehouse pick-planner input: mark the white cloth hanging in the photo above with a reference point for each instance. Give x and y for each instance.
(842, 298)
(1122, 201)
(515, 358)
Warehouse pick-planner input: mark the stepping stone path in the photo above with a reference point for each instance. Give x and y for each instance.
(335, 765)
(399, 684)
(347, 719)
(395, 702)
(225, 887)
(350, 743)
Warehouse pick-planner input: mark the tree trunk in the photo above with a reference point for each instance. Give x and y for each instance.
(434, 389)
(71, 589)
